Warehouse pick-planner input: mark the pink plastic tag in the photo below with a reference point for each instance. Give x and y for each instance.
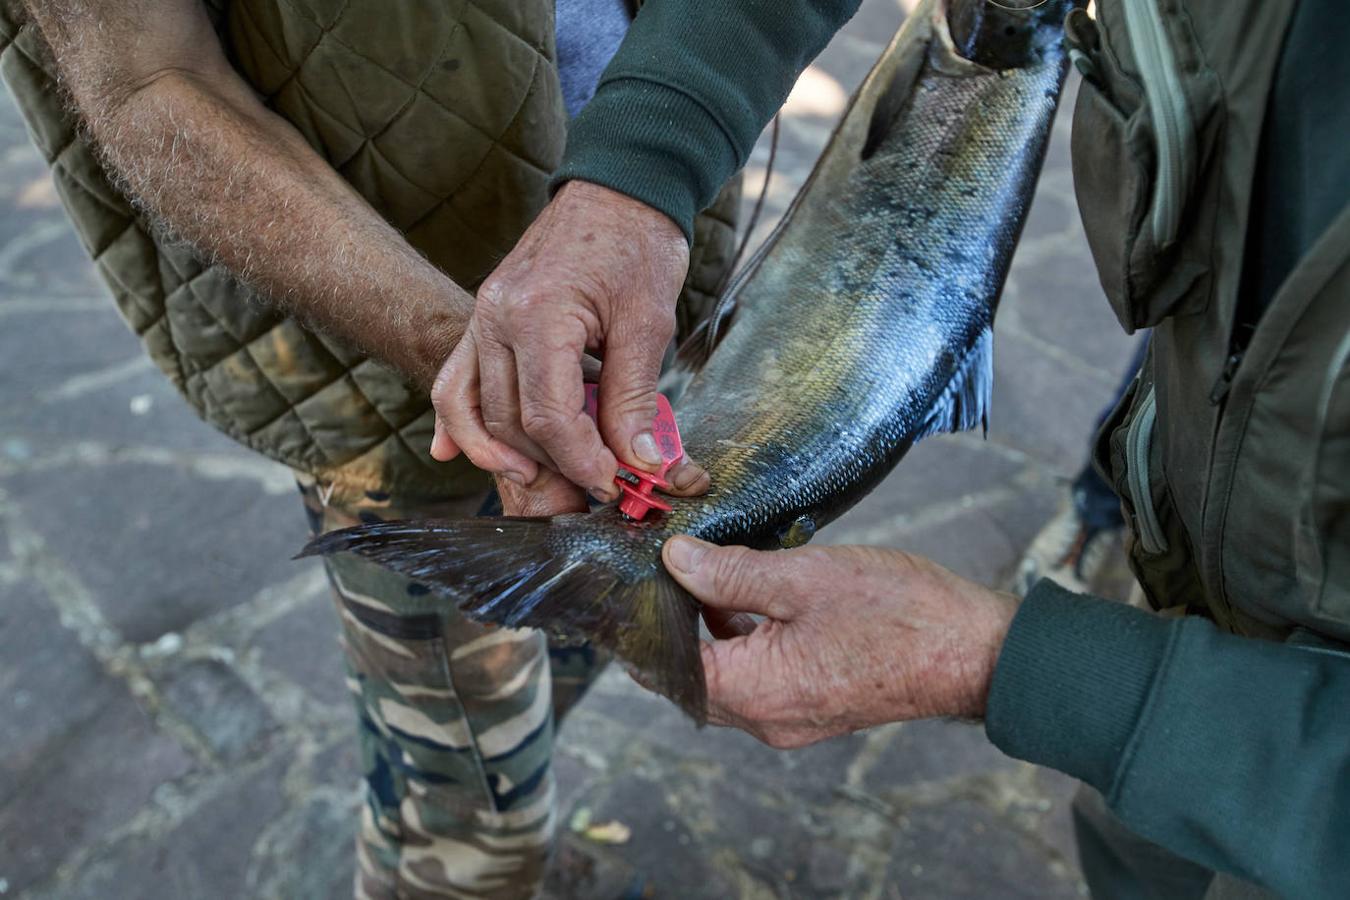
(638, 498)
(663, 426)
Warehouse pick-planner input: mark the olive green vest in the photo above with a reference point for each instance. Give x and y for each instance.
(1234, 469)
(446, 117)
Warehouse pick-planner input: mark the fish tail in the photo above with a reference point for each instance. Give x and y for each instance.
(518, 573)
(964, 402)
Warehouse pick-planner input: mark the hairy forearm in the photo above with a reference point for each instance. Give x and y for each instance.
(207, 161)
(250, 193)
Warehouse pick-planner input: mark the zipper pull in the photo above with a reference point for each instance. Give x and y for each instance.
(1225, 381)
(1083, 41)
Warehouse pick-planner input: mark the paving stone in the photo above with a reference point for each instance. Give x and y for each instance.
(339, 765)
(158, 547)
(130, 405)
(50, 348)
(35, 253)
(960, 849)
(303, 646)
(781, 845)
(1057, 157)
(874, 23)
(937, 472)
(1053, 216)
(676, 861)
(573, 778)
(933, 750)
(308, 853)
(1056, 297)
(1052, 819)
(6, 554)
(210, 696)
(36, 241)
(205, 857)
(983, 542)
(1042, 406)
(811, 773)
(48, 682)
(78, 756)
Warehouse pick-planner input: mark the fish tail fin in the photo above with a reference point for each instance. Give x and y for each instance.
(964, 402)
(518, 573)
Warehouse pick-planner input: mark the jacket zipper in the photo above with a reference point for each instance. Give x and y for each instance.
(1169, 113)
(1138, 442)
(1224, 383)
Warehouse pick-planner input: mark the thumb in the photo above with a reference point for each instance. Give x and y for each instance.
(628, 379)
(733, 578)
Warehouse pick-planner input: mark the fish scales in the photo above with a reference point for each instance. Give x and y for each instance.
(863, 325)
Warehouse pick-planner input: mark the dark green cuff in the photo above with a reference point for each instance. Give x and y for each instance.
(652, 142)
(1072, 681)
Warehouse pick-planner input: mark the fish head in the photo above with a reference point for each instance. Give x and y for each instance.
(1006, 34)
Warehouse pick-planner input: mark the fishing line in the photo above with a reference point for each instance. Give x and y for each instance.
(754, 215)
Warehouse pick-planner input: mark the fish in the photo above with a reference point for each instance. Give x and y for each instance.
(861, 325)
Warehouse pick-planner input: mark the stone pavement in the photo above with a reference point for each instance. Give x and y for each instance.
(172, 716)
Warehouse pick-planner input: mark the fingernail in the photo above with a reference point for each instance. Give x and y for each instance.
(685, 476)
(686, 553)
(514, 478)
(645, 449)
(605, 493)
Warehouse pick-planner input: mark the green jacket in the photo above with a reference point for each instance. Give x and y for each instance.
(1231, 453)
(447, 118)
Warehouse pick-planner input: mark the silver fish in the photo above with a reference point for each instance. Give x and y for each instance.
(863, 325)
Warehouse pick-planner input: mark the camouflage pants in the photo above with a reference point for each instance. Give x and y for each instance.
(456, 725)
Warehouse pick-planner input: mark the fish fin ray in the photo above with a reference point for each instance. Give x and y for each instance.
(511, 572)
(964, 402)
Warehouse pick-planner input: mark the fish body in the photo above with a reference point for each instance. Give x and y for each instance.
(863, 325)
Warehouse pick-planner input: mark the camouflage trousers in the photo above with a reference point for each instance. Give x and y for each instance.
(456, 724)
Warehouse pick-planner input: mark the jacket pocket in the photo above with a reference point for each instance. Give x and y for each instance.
(1160, 551)
(1145, 124)
(1322, 530)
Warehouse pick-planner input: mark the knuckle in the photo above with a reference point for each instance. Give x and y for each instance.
(541, 422)
(525, 305)
(493, 291)
(498, 425)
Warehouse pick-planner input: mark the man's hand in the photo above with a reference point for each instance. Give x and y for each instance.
(854, 637)
(596, 271)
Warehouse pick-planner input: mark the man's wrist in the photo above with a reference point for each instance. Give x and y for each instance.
(999, 610)
(433, 334)
(603, 200)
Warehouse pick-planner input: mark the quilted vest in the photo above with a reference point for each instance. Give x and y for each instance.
(1231, 454)
(446, 117)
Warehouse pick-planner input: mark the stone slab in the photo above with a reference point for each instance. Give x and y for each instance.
(158, 547)
(960, 849)
(78, 756)
(207, 855)
(210, 696)
(304, 646)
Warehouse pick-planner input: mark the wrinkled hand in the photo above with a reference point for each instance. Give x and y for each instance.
(597, 271)
(854, 637)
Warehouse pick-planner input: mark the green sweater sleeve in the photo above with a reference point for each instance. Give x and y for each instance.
(1229, 751)
(678, 109)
